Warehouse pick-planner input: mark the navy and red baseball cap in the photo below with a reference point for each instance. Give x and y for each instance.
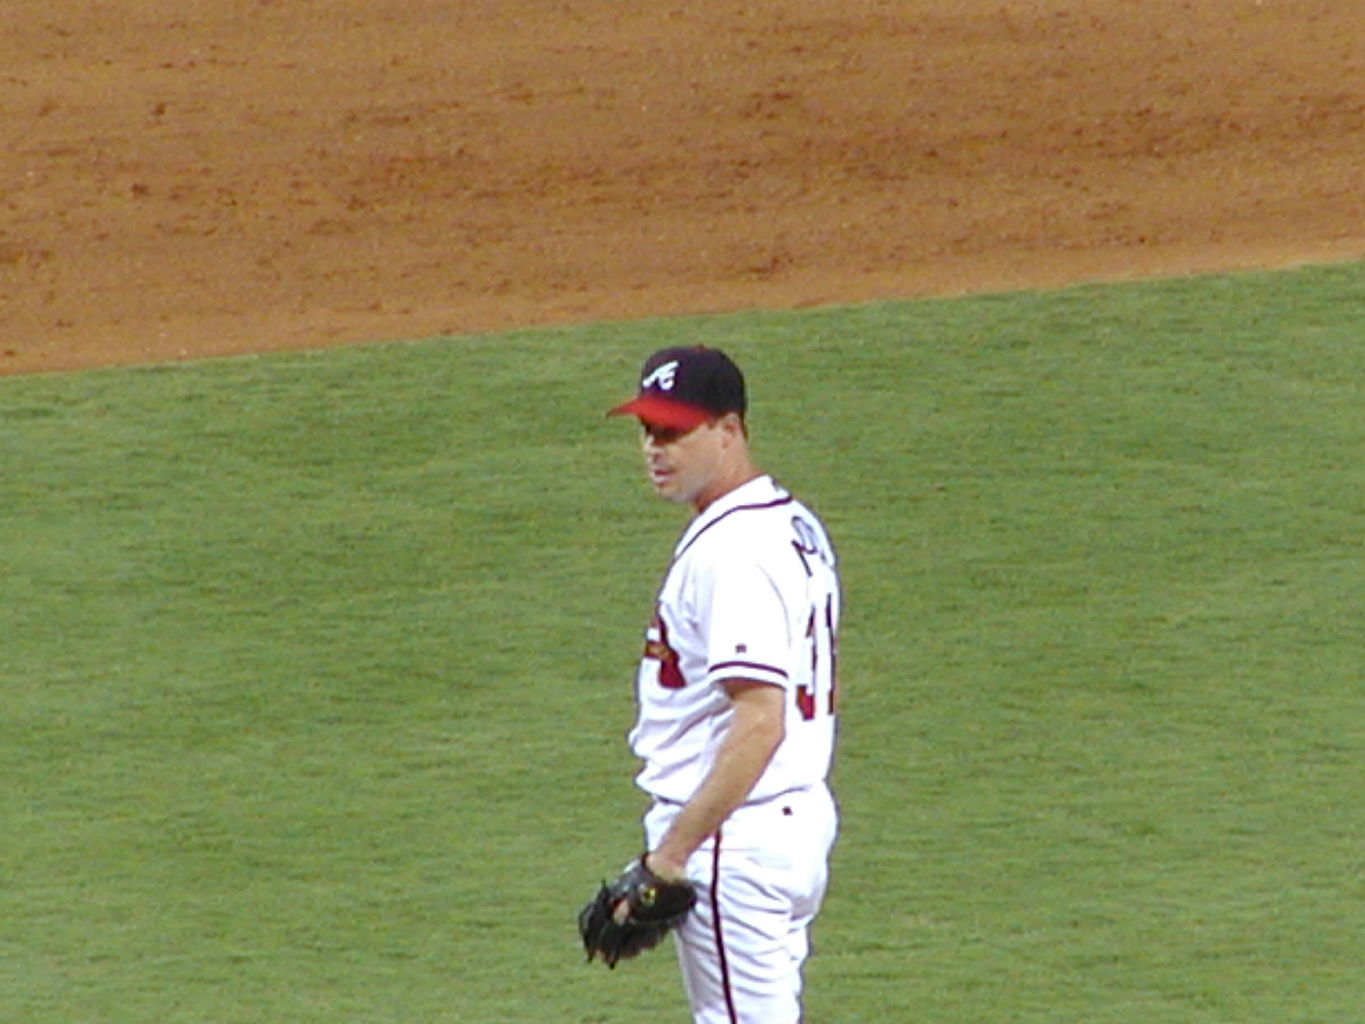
(686, 387)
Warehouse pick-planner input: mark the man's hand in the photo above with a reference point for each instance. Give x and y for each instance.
(633, 913)
(670, 870)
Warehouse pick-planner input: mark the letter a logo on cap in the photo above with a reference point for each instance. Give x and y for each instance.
(662, 377)
(684, 387)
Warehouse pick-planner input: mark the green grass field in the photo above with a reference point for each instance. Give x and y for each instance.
(316, 668)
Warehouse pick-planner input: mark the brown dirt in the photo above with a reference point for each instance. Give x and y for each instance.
(183, 178)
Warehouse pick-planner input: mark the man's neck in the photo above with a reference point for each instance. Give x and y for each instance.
(724, 484)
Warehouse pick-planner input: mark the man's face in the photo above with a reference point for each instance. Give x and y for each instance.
(683, 464)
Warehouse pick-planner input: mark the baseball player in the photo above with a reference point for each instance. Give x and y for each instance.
(737, 692)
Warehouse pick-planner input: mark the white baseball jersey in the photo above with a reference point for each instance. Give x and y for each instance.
(752, 593)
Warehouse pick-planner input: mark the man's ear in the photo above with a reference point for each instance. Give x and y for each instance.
(733, 425)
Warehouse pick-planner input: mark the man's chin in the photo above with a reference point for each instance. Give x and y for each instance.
(668, 490)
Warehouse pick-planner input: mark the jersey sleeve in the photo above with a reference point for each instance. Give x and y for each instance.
(747, 626)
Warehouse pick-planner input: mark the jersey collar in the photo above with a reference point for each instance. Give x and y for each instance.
(757, 493)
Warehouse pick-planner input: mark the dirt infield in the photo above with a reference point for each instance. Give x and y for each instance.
(194, 177)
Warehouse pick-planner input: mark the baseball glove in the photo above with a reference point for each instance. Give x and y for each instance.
(633, 913)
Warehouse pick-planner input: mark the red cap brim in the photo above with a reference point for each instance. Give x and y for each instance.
(658, 411)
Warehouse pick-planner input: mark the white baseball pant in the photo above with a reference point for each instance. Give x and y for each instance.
(760, 883)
